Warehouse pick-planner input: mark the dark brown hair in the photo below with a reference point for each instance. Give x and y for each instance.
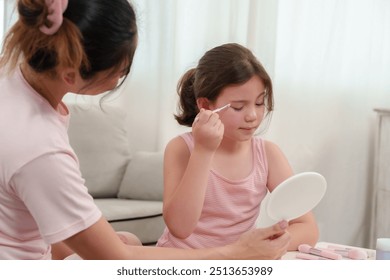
(222, 66)
(95, 35)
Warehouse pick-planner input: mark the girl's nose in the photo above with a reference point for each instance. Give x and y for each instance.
(251, 115)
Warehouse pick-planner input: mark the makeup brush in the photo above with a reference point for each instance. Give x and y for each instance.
(351, 253)
(216, 110)
(221, 108)
(305, 248)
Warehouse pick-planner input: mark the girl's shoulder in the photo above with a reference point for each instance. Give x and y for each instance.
(188, 139)
(271, 147)
(278, 165)
(267, 145)
(264, 146)
(270, 150)
(180, 144)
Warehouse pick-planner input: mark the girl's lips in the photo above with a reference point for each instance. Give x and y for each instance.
(248, 130)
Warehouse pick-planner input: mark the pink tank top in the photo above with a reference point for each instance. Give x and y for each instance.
(230, 207)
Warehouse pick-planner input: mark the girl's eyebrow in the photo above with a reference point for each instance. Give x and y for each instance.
(244, 101)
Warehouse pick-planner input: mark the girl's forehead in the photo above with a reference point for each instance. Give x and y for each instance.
(253, 88)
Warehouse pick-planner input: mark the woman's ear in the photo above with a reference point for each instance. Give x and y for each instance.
(203, 102)
(69, 76)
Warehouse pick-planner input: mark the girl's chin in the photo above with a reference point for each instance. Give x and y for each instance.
(240, 137)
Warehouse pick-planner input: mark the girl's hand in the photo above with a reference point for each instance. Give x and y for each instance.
(207, 130)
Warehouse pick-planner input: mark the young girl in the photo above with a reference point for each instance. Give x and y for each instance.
(84, 47)
(217, 175)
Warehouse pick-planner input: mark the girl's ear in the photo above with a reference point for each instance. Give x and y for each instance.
(203, 102)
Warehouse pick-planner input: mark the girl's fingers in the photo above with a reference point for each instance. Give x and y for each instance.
(221, 127)
(206, 116)
(214, 120)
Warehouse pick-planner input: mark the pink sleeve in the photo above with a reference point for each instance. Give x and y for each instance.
(189, 139)
(261, 153)
(54, 193)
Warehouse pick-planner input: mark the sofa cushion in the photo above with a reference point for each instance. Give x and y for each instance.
(148, 230)
(99, 139)
(142, 218)
(115, 209)
(143, 178)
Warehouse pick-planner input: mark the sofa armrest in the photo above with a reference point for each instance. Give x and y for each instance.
(143, 178)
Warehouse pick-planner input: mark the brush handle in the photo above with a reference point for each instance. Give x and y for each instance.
(304, 256)
(221, 108)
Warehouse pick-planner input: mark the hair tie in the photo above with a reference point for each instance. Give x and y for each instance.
(55, 10)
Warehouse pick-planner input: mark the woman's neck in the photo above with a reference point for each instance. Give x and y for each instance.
(48, 87)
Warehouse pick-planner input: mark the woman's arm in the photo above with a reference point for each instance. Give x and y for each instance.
(303, 229)
(101, 242)
(60, 251)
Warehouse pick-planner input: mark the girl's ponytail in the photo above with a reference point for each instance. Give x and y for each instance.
(187, 106)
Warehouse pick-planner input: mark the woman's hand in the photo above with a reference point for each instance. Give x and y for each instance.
(207, 130)
(266, 243)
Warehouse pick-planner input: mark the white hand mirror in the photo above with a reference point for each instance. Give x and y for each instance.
(292, 198)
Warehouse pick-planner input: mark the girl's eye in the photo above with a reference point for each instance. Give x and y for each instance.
(236, 109)
(260, 104)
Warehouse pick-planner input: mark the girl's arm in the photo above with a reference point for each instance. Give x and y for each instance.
(186, 174)
(101, 242)
(185, 182)
(303, 229)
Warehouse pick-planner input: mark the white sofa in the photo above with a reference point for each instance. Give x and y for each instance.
(127, 186)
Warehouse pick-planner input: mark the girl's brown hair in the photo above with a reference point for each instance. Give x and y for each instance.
(228, 64)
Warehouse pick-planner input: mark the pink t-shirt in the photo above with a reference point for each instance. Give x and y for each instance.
(230, 207)
(43, 199)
